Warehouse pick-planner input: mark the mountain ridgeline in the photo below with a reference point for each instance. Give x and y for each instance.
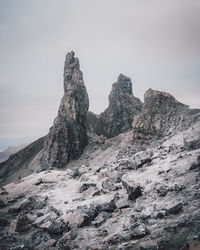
(128, 178)
(159, 115)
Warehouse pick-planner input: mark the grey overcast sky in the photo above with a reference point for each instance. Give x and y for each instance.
(155, 42)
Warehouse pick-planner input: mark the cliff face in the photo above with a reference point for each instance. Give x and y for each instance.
(161, 113)
(68, 136)
(123, 107)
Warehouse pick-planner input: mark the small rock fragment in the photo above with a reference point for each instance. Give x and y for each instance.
(121, 203)
(2, 203)
(39, 181)
(175, 209)
(138, 231)
(85, 186)
(106, 207)
(57, 228)
(134, 190)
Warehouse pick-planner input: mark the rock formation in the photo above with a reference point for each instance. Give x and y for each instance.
(123, 107)
(110, 205)
(68, 136)
(160, 114)
(120, 193)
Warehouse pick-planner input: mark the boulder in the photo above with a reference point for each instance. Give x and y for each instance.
(121, 203)
(134, 190)
(22, 223)
(57, 228)
(100, 219)
(109, 185)
(89, 215)
(138, 231)
(33, 203)
(106, 206)
(80, 217)
(2, 203)
(195, 165)
(73, 219)
(192, 145)
(39, 181)
(3, 221)
(142, 157)
(85, 186)
(162, 190)
(176, 209)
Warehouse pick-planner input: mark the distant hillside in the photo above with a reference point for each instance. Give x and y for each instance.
(4, 155)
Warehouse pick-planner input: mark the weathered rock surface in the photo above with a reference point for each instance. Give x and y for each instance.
(175, 209)
(68, 136)
(156, 206)
(161, 115)
(123, 107)
(134, 190)
(138, 231)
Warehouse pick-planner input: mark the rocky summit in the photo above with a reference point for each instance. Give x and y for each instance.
(128, 178)
(68, 136)
(161, 113)
(123, 107)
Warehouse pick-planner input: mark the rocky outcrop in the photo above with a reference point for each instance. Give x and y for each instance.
(74, 125)
(160, 114)
(123, 107)
(134, 190)
(68, 136)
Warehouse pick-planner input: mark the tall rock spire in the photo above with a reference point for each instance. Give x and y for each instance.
(123, 107)
(67, 137)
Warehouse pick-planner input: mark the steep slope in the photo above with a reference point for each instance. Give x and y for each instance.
(4, 155)
(68, 136)
(22, 163)
(119, 195)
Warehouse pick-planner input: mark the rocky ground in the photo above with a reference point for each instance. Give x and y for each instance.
(117, 195)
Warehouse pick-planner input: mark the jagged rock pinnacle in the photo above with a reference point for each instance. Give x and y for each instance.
(123, 106)
(125, 83)
(68, 136)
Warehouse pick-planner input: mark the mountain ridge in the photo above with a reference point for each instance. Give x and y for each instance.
(128, 178)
